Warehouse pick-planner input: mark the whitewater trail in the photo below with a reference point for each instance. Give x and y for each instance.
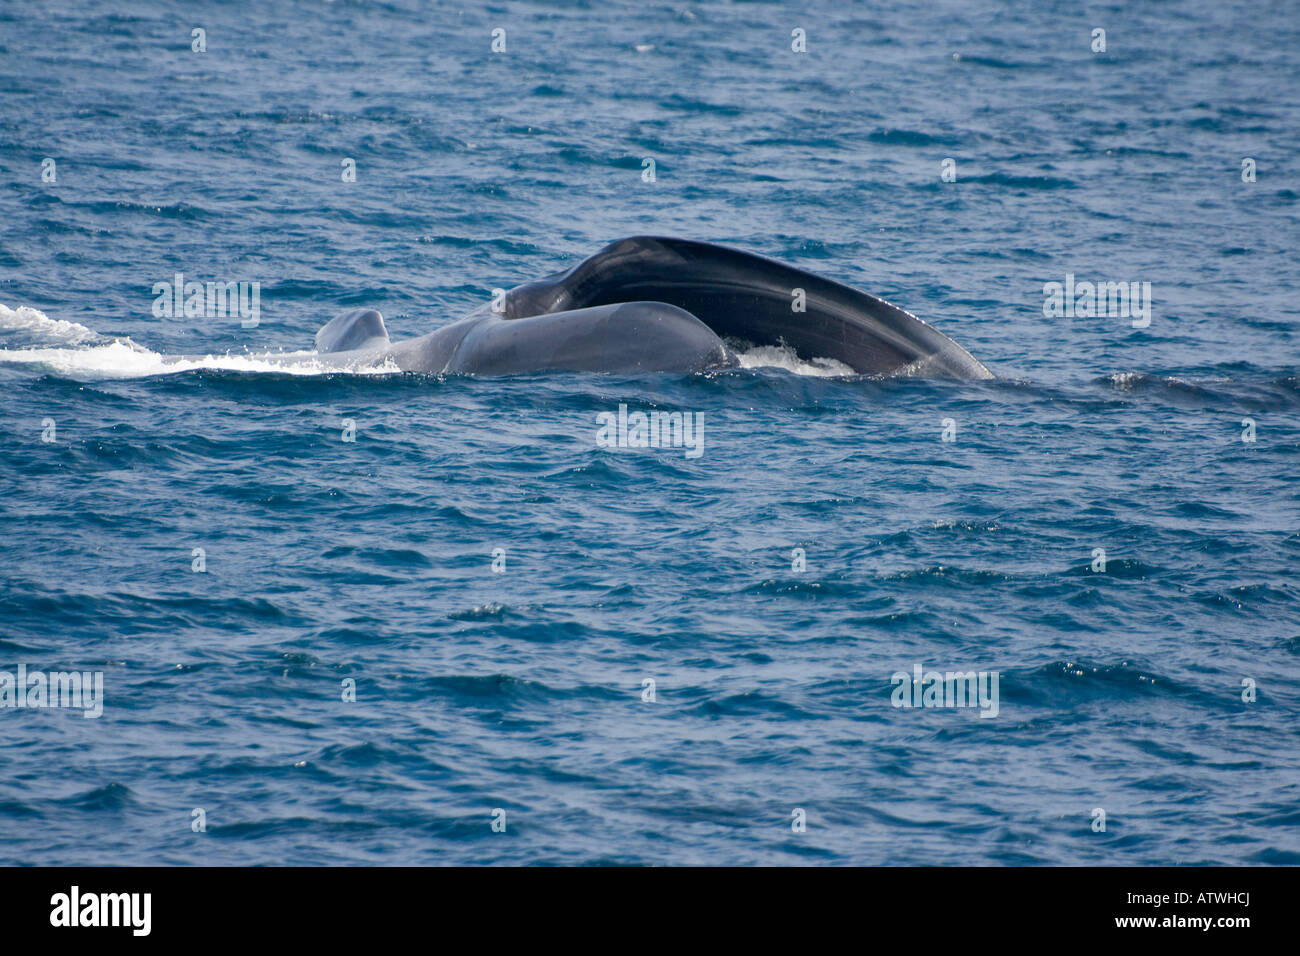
(71, 349)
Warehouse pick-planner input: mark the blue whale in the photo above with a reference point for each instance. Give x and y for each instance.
(651, 304)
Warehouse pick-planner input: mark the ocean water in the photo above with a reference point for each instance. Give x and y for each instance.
(1163, 690)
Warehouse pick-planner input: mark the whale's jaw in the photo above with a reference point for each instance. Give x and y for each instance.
(747, 297)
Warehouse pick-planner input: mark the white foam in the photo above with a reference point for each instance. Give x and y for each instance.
(34, 324)
(67, 354)
(784, 357)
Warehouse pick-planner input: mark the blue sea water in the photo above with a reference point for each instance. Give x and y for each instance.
(372, 560)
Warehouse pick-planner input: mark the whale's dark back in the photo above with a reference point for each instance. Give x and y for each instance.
(748, 297)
